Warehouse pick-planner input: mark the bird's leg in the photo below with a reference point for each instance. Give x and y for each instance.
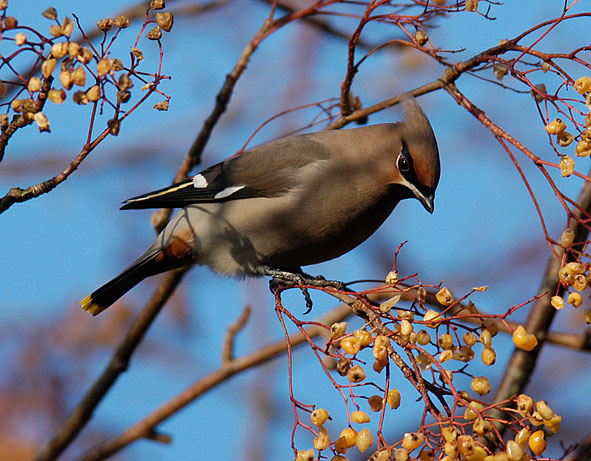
(298, 277)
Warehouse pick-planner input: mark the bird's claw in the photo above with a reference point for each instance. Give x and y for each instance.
(289, 279)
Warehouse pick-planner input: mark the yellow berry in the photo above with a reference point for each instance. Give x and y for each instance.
(351, 345)
(469, 338)
(556, 126)
(84, 55)
(104, 66)
(393, 398)
(338, 329)
(445, 297)
(74, 49)
(360, 417)
(59, 50)
(364, 440)
(47, 67)
(445, 356)
(322, 440)
(389, 304)
(514, 451)
(421, 37)
(376, 403)
(567, 166)
(424, 362)
(34, 84)
(381, 340)
(451, 449)
(379, 365)
(488, 356)
(165, 20)
(413, 440)
(583, 85)
(588, 316)
(580, 282)
(544, 410)
(470, 413)
(565, 139)
(364, 337)
(463, 353)
(536, 419)
(557, 302)
(575, 299)
(340, 446)
(465, 445)
(479, 454)
(356, 374)
(492, 326)
(93, 93)
(486, 338)
(66, 79)
(382, 455)
(423, 337)
(427, 455)
(576, 268)
(524, 341)
(400, 454)
(319, 416)
(350, 437)
(481, 427)
(522, 436)
(380, 353)
(421, 295)
(446, 341)
(56, 96)
(583, 149)
(305, 455)
(553, 423)
(79, 76)
(406, 327)
(537, 442)
(450, 434)
(392, 278)
(432, 318)
(20, 38)
(566, 275)
(472, 5)
(568, 235)
(67, 27)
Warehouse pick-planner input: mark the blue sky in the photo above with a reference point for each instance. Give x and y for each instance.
(484, 231)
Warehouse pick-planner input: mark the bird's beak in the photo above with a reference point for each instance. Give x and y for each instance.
(426, 198)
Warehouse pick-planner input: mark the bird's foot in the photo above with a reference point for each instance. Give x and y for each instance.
(290, 279)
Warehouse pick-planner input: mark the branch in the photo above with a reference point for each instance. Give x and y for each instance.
(18, 195)
(228, 369)
(521, 364)
(80, 416)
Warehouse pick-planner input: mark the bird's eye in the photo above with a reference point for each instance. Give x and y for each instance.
(403, 164)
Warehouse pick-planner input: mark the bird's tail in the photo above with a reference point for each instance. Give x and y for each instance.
(100, 299)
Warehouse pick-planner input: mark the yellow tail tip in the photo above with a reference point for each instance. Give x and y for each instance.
(89, 306)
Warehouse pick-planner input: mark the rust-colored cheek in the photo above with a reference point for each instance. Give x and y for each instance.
(426, 171)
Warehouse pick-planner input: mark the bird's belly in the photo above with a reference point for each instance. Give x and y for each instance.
(240, 237)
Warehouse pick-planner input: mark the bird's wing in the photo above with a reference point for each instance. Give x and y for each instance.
(268, 171)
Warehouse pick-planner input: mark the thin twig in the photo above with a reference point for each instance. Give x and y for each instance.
(119, 362)
(200, 387)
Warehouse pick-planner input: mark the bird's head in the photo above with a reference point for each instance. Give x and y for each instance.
(418, 160)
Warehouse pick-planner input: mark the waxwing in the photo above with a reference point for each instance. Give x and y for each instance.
(292, 202)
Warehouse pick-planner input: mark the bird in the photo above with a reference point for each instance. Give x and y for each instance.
(292, 202)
